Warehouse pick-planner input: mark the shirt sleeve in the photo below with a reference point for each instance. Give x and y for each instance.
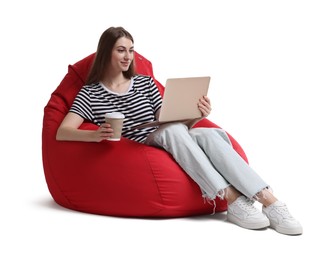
(82, 104)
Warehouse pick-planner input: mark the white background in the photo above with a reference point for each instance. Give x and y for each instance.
(272, 67)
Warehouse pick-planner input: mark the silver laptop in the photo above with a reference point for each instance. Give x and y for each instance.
(180, 100)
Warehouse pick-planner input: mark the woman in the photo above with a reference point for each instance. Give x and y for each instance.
(204, 153)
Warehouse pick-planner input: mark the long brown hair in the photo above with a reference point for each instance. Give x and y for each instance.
(104, 52)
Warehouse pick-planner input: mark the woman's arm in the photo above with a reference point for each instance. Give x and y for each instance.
(68, 130)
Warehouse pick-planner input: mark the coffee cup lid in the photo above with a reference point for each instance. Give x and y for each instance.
(114, 115)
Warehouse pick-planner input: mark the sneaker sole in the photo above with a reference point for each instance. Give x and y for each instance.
(259, 225)
(288, 231)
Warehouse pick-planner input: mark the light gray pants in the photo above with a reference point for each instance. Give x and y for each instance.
(207, 156)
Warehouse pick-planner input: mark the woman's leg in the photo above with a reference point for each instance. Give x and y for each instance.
(245, 180)
(227, 161)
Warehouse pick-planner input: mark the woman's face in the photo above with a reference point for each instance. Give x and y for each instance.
(122, 54)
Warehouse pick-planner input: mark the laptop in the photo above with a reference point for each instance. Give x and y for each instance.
(180, 100)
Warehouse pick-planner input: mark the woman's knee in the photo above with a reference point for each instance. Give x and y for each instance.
(202, 132)
(206, 132)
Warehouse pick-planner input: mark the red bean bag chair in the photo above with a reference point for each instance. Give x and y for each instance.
(125, 178)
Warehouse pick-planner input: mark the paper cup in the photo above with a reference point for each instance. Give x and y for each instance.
(115, 119)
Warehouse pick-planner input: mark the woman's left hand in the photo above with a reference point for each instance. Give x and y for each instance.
(204, 106)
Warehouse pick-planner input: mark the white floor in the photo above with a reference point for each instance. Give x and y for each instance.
(34, 227)
(272, 69)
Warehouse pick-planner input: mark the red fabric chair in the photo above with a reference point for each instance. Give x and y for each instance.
(123, 178)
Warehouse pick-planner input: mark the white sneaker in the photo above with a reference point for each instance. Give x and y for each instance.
(243, 213)
(281, 219)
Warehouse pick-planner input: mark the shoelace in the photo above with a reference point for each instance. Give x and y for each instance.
(282, 210)
(247, 205)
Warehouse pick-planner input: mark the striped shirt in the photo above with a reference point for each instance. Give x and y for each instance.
(139, 105)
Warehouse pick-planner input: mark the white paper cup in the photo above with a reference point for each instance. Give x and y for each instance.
(115, 119)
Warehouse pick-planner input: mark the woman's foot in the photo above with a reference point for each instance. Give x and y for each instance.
(281, 219)
(243, 213)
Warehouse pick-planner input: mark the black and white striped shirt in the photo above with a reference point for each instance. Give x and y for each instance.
(139, 105)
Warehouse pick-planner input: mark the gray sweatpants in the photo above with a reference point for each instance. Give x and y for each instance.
(207, 156)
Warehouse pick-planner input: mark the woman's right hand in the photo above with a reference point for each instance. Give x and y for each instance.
(103, 132)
